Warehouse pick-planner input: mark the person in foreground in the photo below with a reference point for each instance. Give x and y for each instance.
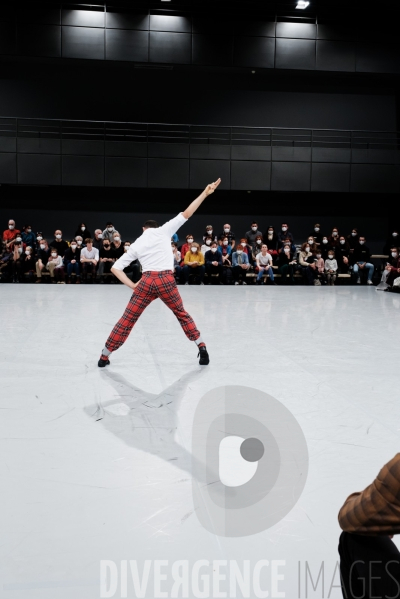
(153, 250)
(369, 560)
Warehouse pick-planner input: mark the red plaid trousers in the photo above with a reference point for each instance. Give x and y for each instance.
(152, 285)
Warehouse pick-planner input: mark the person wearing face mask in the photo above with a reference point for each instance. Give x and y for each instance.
(240, 265)
(284, 234)
(225, 250)
(82, 231)
(186, 247)
(98, 239)
(286, 263)
(79, 242)
(325, 247)
(312, 244)
(362, 262)
(17, 261)
(271, 239)
(246, 248)
(264, 265)
(352, 240)
(39, 238)
(194, 264)
(117, 246)
(391, 271)
(10, 233)
(334, 238)
(392, 241)
(316, 234)
(213, 264)
(59, 244)
(55, 266)
(89, 260)
(28, 237)
(42, 257)
(108, 232)
(177, 262)
(210, 233)
(206, 245)
(227, 232)
(72, 259)
(331, 267)
(106, 261)
(307, 262)
(28, 265)
(256, 249)
(342, 255)
(252, 234)
(320, 265)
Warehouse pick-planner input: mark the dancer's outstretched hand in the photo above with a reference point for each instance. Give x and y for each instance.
(212, 187)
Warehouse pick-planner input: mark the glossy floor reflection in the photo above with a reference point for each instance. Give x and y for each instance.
(96, 465)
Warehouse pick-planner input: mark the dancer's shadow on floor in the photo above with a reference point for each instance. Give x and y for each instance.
(146, 421)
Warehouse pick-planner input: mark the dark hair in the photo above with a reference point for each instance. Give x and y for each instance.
(88, 240)
(109, 223)
(254, 222)
(151, 224)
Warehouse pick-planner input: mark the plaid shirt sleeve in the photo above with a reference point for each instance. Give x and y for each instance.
(376, 510)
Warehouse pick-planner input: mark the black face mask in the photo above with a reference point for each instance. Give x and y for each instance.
(106, 246)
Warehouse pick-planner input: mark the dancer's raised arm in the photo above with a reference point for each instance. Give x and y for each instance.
(198, 201)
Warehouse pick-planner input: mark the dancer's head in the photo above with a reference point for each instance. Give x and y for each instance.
(150, 224)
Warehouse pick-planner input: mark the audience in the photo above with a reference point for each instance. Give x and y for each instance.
(240, 265)
(264, 265)
(26, 253)
(392, 241)
(82, 231)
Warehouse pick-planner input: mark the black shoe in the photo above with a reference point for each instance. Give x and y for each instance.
(204, 358)
(102, 363)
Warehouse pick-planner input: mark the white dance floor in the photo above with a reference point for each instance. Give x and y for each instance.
(96, 463)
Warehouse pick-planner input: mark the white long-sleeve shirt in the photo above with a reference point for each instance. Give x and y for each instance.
(153, 248)
(331, 264)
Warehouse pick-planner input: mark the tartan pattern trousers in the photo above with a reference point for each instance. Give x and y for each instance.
(151, 286)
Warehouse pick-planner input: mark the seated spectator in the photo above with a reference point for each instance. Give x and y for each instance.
(252, 234)
(17, 261)
(284, 234)
(264, 265)
(271, 239)
(106, 260)
(316, 234)
(206, 245)
(28, 237)
(10, 233)
(59, 244)
(286, 263)
(55, 266)
(177, 262)
(391, 242)
(117, 246)
(246, 248)
(293, 247)
(369, 520)
(79, 242)
(210, 233)
(342, 255)
(325, 247)
(98, 239)
(312, 244)
(72, 259)
(362, 263)
(240, 265)
(308, 265)
(194, 264)
(108, 232)
(352, 240)
(29, 266)
(186, 247)
(331, 267)
(6, 257)
(229, 234)
(213, 263)
(225, 250)
(334, 238)
(320, 265)
(82, 232)
(18, 239)
(90, 258)
(391, 271)
(133, 269)
(39, 238)
(256, 248)
(42, 256)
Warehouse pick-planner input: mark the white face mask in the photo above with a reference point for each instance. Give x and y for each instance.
(311, 241)
(209, 231)
(54, 255)
(316, 229)
(79, 242)
(208, 242)
(362, 242)
(334, 233)
(394, 254)
(308, 248)
(284, 229)
(110, 228)
(324, 241)
(27, 252)
(18, 239)
(353, 234)
(193, 250)
(319, 255)
(286, 250)
(259, 241)
(225, 242)
(394, 234)
(83, 228)
(20, 250)
(254, 228)
(117, 239)
(28, 230)
(270, 233)
(213, 250)
(58, 236)
(190, 240)
(126, 248)
(42, 246)
(226, 230)
(330, 257)
(100, 236)
(239, 252)
(342, 241)
(73, 246)
(11, 227)
(39, 238)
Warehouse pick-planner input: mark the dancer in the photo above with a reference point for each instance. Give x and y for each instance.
(153, 250)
